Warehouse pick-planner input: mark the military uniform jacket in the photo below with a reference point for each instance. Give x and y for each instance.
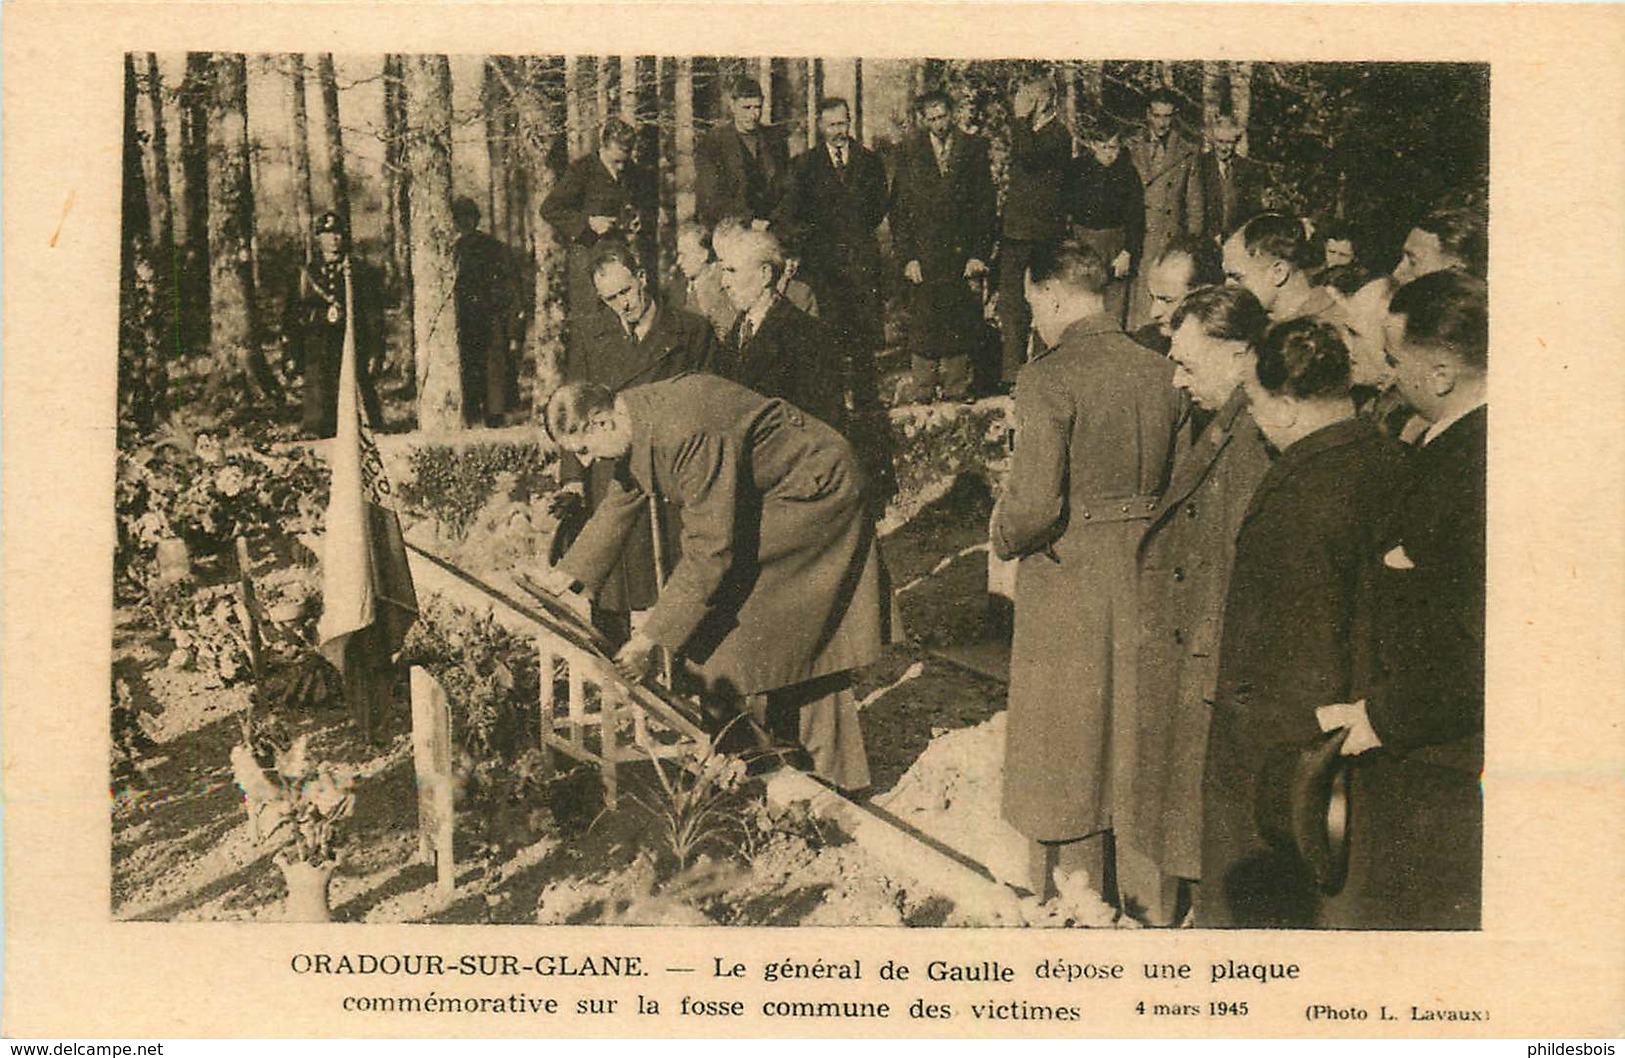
(1095, 420)
(778, 581)
(1185, 558)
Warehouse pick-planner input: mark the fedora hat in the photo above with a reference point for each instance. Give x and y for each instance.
(1302, 806)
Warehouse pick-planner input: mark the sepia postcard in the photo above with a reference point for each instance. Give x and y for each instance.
(813, 520)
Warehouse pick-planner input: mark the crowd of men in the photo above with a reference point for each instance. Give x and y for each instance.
(1246, 501)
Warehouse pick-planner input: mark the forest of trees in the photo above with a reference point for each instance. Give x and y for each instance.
(228, 158)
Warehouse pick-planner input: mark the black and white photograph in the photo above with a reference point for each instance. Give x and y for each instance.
(687, 490)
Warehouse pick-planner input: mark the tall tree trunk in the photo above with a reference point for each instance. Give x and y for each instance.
(494, 103)
(666, 150)
(815, 88)
(1212, 95)
(434, 270)
(574, 119)
(683, 142)
(1069, 93)
(398, 211)
(192, 280)
(233, 336)
(1241, 99)
(299, 148)
(795, 108)
(764, 77)
(600, 96)
(535, 134)
(338, 188)
(149, 114)
(141, 375)
(857, 101)
(628, 90)
(1093, 76)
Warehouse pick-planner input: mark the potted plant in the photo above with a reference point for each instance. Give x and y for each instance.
(293, 805)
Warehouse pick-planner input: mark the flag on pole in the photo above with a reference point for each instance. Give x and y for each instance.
(366, 582)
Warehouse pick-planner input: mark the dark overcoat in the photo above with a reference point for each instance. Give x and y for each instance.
(487, 297)
(779, 581)
(829, 219)
(1173, 204)
(1296, 636)
(731, 180)
(1185, 560)
(587, 189)
(792, 356)
(1229, 200)
(677, 342)
(1095, 422)
(1039, 174)
(313, 323)
(1416, 860)
(942, 219)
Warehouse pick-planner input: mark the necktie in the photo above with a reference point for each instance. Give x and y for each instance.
(747, 330)
(941, 147)
(840, 157)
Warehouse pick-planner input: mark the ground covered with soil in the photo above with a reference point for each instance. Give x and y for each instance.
(538, 847)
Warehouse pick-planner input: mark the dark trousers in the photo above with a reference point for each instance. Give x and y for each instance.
(1015, 315)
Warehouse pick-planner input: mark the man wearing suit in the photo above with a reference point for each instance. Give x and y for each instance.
(487, 306)
(739, 166)
(778, 594)
(633, 342)
(1231, 184)
(836, 199)
(1167, 163)
(774, 347)
(1034, 209)
(1095, 422)
(599, 198)
(1416, 857)
(942, 229)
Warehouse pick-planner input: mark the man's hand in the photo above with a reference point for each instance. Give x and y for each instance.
(759, 224)
(975, 267)
(636, 658)
(1362, 737)
(1120, 264)
(566, 499)
(600, 224)
(912, 273)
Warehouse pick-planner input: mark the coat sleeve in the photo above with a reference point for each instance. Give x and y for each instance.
(710, 196)
(565, 206)
(1030, 513)
(983, 202)
(786, 221)
(705, 474)
(1134, 222)
(905, 239)
(877, 200)
(1194, 204)
(597, 549)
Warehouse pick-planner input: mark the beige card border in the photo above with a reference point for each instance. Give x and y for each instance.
(1549, 959)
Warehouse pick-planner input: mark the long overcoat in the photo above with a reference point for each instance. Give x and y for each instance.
(314, 325)
(1095, 419)
(1416, 859)
(677, 342)
(779, 581)
(731, 180)
(1185, 560)
(942, 216)
(1296, 636)
(1173, 203)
